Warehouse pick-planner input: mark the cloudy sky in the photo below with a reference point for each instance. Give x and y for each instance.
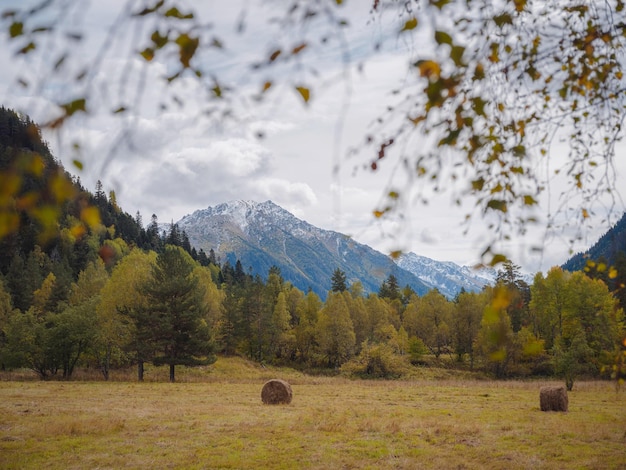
(169, 156)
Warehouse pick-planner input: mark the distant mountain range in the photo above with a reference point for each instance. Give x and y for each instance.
(606, 248)
(262, 235)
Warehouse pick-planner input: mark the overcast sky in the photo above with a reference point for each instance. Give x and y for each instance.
(173, 161)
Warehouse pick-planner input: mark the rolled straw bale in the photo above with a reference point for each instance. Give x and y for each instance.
(553, 398)
(276, 392)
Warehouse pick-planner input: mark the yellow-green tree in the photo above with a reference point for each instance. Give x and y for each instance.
(335, 333)
(117, 335)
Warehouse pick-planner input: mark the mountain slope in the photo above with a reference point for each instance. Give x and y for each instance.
(449, 278)
(261, 235)
(607, 248)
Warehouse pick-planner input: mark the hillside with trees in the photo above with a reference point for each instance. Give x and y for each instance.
(112, 294)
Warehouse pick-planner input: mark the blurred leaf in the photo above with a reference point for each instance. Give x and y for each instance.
(519, 5)
(304, 92)
(16, 29)
(266, 86)
(274, 55)
(9, 223)
(440, 3)
(477, 185)
(410, 24)
(147, 11)
(443, 38)
(613, 273)
(456, 54)
(158, 40)
(585, 213)
(529, 200)
(450, 139)
(497, 204)
(148, 53)
(429, 69)
(91, 216)
(75, 106)
(298, 49)
(501, 20)
(175, 13)
(501, 298)
(187, 48)
(27, 48)
(61, 188)
(78, 164)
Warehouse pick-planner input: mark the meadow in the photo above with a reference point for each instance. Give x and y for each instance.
(213, 418)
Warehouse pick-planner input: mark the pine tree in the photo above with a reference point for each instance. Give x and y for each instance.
(176, 313)
(338, 281)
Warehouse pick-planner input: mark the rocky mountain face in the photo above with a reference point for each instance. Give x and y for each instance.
(448, 277)
(262, 235)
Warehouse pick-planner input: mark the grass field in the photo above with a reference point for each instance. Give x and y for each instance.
(214, 418)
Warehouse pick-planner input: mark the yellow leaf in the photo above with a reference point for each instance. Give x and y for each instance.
(9, 223)
(429, 69)
(91, 216)
(304, 92)
(585, 213)
(410, 24)
(612, 273)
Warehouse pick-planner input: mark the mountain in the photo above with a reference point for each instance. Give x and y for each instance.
(606, 248)
(449, 278)
(262, 235)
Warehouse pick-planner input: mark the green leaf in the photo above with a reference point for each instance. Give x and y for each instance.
(479, 106)
(497, 259)
(519, 150)
(440, 3)
(529, 200)
(497, 205)
(148, 54)
(175, 13)
(74, 106)
(187, 46)
(443, 38)
(305, 93)
(27, 48)
(456, 54)
(16, 29)
(158, 40)
(477, 185)
(450, 139)
(409, 25)
(501, 20)
(78, 164)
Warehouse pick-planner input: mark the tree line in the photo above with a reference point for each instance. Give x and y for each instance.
(106, 292)
(168, 309)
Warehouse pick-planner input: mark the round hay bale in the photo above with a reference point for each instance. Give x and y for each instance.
(276, 392)
(553, 398)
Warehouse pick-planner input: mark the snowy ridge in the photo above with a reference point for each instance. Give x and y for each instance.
(448, 277)
(263, 234)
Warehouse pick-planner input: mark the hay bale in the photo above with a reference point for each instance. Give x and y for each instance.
(553, 398)
(276, 392)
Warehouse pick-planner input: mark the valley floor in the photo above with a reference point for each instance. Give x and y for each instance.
(331, 423)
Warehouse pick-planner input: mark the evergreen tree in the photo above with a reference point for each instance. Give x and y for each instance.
(176, 312)
(338, 281)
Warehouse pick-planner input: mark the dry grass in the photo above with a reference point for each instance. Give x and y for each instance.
(331, 423)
